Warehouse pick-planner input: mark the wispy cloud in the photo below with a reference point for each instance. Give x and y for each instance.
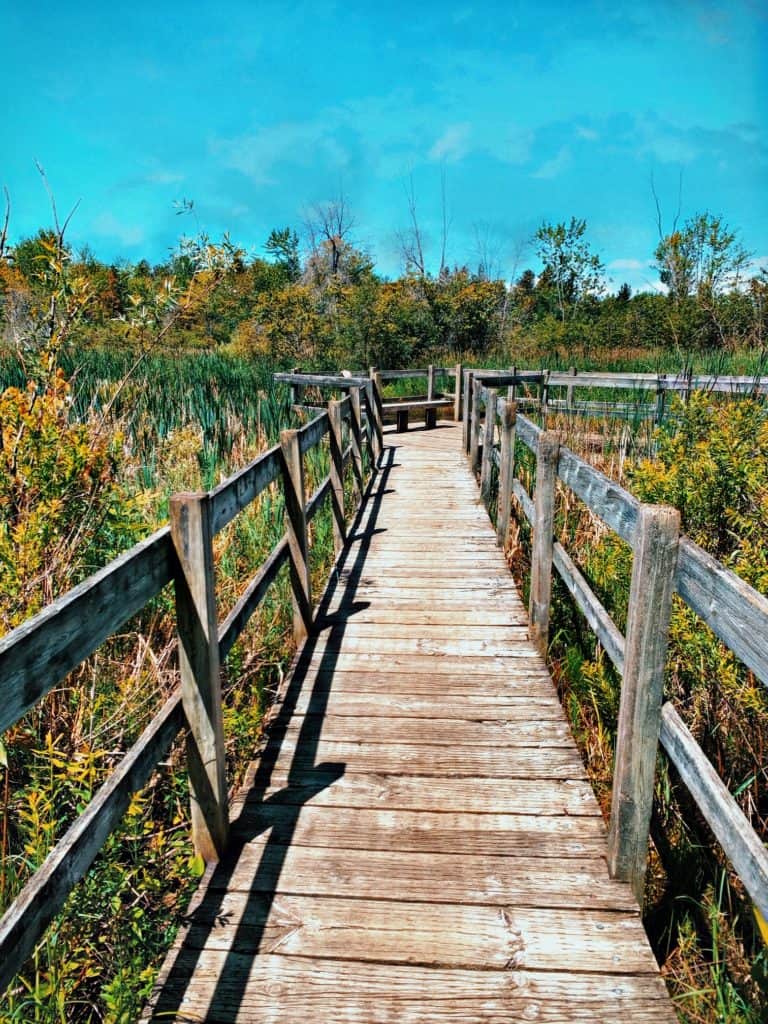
(107, 225)
(555, 166)
(453, 144)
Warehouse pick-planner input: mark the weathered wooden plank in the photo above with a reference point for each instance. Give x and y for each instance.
(528, 432)
(44, 895)
(499, 835)
(615, 506)
(732, 609)
(337, 476)
(36, 655)
(506, 463)
(536, 703)
(598, 618)
(200, 671)
(251, 598)
(239, 490)
(452, 935)
(287, 989)
(642, 688)
(573, 883)
(313, 432)
(416, 404)
(522, 676)
(489, 430)
(320, 380)
(438, 647)
(515, 732)
(409, 793)
(507, 633)
(296, 523)
(741, 843)
(526, 502)
(538, 761)
(315, 502)
(543, 525)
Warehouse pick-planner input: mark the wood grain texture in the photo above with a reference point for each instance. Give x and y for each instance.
(418, 840)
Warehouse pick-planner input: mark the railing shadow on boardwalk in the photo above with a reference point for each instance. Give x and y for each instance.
(303, 781)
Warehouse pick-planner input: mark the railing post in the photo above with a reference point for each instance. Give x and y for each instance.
(486, 470)
(356, 438)
(506, 471)
(569, 392)
(512, 389)
(544, 397)
(466, 409)
(661, 394)
(547, 454)
(337, 475)
(296, 526)
(457, 395)
(430, 382)
(377, 413)
(197, 626)
(474, 427)
(642, 688)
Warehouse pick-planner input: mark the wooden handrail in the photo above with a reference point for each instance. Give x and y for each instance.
(735, 612)
(39, 653)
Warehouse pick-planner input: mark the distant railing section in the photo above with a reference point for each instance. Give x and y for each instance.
(664, 562)
(39, 653)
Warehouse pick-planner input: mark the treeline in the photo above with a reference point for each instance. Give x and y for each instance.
(326, 305)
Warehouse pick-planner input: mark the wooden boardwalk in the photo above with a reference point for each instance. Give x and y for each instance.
(418, 841)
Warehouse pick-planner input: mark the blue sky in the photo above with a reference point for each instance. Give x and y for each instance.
(257, 111)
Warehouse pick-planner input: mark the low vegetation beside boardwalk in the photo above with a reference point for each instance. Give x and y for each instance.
(122, 385)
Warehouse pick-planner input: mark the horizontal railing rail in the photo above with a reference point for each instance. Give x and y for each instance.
(664, 562)
(42, 651)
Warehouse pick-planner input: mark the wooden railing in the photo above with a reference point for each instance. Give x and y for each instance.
(534, 389)
(664, 562)
(37, 655)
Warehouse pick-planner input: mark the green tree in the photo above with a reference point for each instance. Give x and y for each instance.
(572, 271)
(283, 246)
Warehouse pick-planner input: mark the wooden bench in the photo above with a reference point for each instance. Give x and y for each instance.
(428, 405)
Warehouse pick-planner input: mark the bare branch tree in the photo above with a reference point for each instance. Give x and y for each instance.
(330, 224)
(410, 240)
(6, 221)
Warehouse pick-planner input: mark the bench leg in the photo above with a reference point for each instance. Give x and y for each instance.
(402, 420)
(430, 418)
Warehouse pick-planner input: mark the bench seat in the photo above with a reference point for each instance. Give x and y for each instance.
(429, 406)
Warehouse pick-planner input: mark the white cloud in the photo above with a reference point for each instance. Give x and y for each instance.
(300, 142)
(162, 177)
(453, 144)
(587, 133)
(108, 226)
(555, 166)
(629, 264)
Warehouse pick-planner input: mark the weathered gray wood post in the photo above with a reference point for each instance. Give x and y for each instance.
(337, 474)
(430, 382)
(506, 470)
(356, 439)
(486, 470)
(474, 427)
(642, 688)
(377, 413)
(661, 393)
(512, 389)
(569, 391)
(199, 665)
(296, 527)
(457, 395)
(547, 454)
(544, 397)
(466, 409)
